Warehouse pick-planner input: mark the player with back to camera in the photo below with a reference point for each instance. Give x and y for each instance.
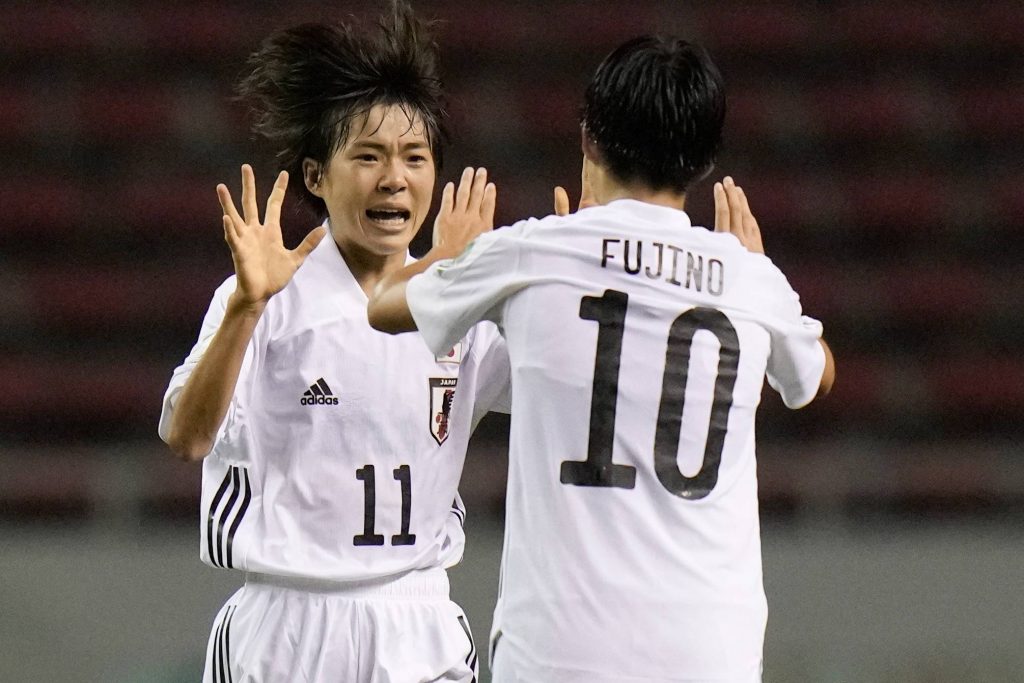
(639, 347)
(332, 452)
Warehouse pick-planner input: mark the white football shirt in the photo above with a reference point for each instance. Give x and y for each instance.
(638, 348)
(340, 455)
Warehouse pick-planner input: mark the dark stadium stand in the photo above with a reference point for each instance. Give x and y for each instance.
(879, 142)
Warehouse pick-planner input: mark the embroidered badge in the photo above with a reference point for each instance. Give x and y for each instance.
(442, 393)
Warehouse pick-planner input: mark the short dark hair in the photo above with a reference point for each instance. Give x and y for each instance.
(655, 109)
(306, 84)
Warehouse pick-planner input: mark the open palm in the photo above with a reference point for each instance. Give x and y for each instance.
(263, 265)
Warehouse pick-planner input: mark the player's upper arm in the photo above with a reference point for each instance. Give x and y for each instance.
(211, 323)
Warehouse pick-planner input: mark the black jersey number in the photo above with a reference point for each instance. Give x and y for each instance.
(366, 474)
(609, 312)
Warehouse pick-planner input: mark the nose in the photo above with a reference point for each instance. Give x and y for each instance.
(392, 179)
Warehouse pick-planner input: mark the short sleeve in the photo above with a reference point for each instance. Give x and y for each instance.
(452, 295)
(797, 360)
(211, 323)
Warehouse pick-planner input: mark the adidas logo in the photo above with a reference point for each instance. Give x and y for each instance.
(319, 394)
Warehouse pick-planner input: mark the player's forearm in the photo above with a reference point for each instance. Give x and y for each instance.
(388, 308)
(828, 376)
(204, 401)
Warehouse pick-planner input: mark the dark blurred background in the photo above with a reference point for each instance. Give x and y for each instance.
(880, 144)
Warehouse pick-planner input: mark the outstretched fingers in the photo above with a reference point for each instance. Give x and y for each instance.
(465, 191)
(561, 201)
(309, 244)
(735, 207)
(250, 210)
(751, 231)
(488, 203)
(479, 190)
(733, 215)
(276, 199)
(230, 232)
(227, 204)
(721, 209)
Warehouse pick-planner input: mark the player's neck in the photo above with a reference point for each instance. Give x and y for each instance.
(368, 268)
(669, 198)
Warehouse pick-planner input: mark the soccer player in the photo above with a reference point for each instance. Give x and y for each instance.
(332, 452)
(639, 346)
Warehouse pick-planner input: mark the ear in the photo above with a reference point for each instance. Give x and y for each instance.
(312, 174)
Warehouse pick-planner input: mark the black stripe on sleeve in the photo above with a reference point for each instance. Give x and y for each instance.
(238, 517)
(224, 514)
(213, 510)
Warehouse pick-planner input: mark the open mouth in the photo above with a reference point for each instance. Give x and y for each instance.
(388, 216)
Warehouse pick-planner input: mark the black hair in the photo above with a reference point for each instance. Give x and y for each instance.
(655, 109)
(306, 85)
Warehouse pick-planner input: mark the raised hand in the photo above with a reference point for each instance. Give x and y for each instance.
(732, 214)
(586, 196)
(465, 213)
(262, 263)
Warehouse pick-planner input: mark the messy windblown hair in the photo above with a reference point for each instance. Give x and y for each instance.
(307, 84)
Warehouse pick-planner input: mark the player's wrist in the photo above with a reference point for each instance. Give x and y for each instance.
(241, 306)
(445, 251)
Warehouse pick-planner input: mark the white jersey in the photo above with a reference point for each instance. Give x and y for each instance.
(638, 347)
(340, 454)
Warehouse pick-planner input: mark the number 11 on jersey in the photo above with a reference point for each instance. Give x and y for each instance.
(403, 475)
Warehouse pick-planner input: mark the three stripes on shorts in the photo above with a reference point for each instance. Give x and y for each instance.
(220, 662)
(471, 657)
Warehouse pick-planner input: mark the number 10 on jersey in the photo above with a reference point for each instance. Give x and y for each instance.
(609, 312)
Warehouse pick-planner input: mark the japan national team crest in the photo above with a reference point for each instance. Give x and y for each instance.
(442, 393)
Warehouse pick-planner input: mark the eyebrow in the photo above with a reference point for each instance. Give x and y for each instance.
(412, 145)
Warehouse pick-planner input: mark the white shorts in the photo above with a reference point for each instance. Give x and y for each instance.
(508, 666)
(399, 630)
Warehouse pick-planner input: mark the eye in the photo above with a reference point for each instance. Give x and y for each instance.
(417, 159)
(367, 157)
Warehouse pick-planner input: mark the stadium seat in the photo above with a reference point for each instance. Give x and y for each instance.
(129, 110)
(919, 26)
(973, 386)
(81, 395)
(44, 27)
(41, 205)
(84, 297)
(762, 28)
(51, 486)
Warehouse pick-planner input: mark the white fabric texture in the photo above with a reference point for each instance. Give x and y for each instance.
(639, 347)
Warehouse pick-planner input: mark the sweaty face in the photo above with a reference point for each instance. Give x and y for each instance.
(379, 183)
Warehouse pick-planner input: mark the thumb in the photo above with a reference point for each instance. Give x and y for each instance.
(309, 244)
(561, 202)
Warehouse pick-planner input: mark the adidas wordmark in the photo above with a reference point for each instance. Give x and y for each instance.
(319, 394)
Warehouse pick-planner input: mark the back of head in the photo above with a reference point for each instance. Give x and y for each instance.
(655, 109)
(307, 84)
